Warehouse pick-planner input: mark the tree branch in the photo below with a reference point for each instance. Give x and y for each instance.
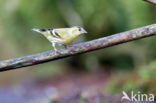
(78, 48)
(151, 1)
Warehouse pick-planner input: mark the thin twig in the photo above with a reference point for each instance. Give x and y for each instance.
(151, 1)
(78, 48)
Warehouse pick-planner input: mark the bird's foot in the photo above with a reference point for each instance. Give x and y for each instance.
(56, 52)
(65, 46)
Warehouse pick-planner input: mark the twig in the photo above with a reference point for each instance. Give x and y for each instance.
(151, 1)
(78, 48)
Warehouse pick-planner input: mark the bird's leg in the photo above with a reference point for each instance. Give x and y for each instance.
(65, 46)
(53, 45)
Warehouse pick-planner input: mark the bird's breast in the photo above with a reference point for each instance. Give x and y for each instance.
(68, 39)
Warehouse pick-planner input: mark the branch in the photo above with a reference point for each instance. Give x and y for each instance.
(151, 1)
(78, 48)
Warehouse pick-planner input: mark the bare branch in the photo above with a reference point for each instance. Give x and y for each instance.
(151, 1)
(78, 48)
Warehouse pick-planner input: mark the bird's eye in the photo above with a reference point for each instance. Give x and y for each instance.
(42, 30)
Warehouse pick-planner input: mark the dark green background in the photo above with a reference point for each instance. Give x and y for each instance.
(99, 17)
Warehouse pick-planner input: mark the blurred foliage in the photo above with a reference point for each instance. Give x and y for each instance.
(142, 79)
(99, 17)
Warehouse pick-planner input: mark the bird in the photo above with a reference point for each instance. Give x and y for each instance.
(61, 36)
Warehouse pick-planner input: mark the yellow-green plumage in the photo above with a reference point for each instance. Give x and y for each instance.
(68, 37)
(61, 35)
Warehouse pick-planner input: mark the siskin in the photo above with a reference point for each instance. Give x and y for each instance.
(61, 36)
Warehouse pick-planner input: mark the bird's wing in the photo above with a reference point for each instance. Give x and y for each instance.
(60, 33)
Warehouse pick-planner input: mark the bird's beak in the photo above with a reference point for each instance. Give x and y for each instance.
(84, 31)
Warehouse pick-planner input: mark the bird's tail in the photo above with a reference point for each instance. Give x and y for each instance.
(39, 30)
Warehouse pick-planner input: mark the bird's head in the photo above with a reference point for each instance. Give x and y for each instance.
(78, 30)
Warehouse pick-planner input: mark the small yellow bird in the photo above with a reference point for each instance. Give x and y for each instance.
(61, 36)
